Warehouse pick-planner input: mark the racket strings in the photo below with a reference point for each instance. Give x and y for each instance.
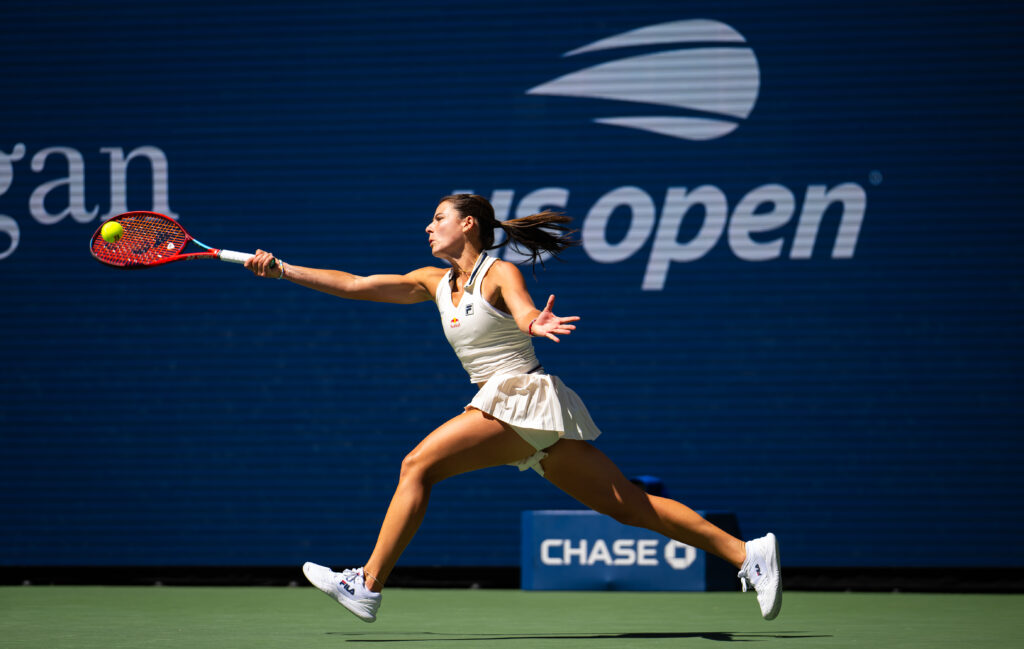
(147, 238)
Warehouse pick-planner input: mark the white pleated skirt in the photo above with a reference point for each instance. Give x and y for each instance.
(540, 408)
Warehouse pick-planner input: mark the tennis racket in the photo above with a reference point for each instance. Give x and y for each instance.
(152, 239)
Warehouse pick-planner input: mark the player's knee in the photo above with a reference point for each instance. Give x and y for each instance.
(411, 467)
(626, 515)
(416, 467)
(627, 510)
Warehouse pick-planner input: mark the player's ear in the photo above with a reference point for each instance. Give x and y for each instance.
(468, 222)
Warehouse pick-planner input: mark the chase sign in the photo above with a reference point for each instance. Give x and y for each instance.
(584, 550)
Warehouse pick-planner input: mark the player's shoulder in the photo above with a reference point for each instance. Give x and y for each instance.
(428, 277)
(428, 272)
(504, 270)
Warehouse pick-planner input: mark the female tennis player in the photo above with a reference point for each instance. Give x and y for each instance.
(520, 416)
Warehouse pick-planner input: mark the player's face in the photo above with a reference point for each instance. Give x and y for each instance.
(447, 231)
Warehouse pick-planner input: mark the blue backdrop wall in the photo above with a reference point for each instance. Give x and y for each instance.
(800, 279)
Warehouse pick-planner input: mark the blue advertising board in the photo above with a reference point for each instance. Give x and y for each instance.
(799, 274)
(584, 550)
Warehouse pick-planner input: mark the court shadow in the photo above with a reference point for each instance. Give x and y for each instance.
(715, 636)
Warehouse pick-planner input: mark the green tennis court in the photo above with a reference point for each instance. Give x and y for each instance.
(54, 617)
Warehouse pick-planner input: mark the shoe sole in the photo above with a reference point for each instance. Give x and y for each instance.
(358, 613)
(777, 606)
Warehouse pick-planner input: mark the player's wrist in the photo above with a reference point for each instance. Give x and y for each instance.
(280, 264)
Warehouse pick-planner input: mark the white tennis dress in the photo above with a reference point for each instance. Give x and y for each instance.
(516, 389)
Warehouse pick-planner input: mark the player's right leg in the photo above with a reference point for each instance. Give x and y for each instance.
(470, 441)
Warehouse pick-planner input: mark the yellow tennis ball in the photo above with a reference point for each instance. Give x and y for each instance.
(112, 232)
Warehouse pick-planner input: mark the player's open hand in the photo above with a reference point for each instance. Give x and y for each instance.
(548, 324)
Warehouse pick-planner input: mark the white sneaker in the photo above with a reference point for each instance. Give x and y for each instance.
(761, 570)
(347, 588)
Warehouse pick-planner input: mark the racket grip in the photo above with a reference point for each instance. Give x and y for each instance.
(234, 256)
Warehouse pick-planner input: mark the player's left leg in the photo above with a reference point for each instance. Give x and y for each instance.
(588, 475)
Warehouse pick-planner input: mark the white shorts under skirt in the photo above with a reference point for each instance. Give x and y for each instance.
(540, 408)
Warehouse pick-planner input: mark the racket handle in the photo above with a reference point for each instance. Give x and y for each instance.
(234, 256)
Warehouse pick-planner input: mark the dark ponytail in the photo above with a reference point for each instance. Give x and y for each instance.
(530, 235)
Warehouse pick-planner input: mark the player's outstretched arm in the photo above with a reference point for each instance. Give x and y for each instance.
(417, 286)
(531, 320)
(548, 324)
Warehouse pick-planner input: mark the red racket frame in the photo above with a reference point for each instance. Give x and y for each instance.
(152, 239)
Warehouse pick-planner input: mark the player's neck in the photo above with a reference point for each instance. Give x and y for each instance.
(462, 267)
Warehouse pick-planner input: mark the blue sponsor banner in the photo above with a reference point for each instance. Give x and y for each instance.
(799, 275)
(584, 550)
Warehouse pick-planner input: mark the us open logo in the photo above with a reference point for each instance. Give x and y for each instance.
(716, 85)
